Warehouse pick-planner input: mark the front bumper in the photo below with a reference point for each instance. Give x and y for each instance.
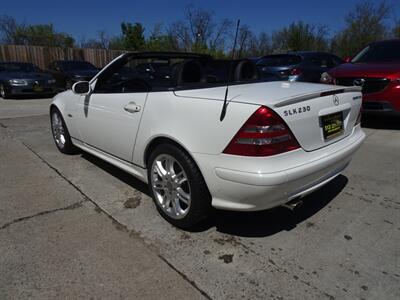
(385, 102)
(379, 108)
(252, 183)
(32, 90)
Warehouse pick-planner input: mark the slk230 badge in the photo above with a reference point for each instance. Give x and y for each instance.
(297, 110)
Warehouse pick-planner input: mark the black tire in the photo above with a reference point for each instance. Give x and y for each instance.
(66, 147)
(200, 204)
(3, 92)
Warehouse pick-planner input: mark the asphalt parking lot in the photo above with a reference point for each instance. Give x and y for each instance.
(76, 227)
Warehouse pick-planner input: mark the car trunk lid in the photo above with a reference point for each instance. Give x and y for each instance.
(320, 119)
(307, 108)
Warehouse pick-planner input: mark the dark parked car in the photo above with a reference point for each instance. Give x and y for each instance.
(376, 68)
(297, 66)
(67, 72)
(24, 79)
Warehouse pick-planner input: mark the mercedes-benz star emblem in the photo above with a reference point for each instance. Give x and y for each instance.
(359, 82)
(336, 100)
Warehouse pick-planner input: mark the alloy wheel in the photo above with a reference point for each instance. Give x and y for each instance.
(58, 129)
(2, 91)
(170, 186)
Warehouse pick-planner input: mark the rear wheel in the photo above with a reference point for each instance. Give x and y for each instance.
(177, 186)
(60, 132)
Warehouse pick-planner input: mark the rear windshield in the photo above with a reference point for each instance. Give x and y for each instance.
(279, 60)
(380, 52)
(18, 67)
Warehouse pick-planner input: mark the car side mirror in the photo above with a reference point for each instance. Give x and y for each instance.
(347, 59)
(81, 88)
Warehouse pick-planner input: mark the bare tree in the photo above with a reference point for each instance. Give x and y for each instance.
(179, 33)
(103, 38)
(102, 41)
(244, 37)
(160, 41)
(259, 45)
(10, 30)
(199, 31)
(222, 30)
(300, 36)
(364, 24)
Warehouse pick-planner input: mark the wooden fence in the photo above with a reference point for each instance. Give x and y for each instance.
(42, 56)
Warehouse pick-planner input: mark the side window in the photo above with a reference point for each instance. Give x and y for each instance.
(53, 66)
(336, 61)
(136, 75)
(57, 66)
(316, 61)
(122, 77)
(322, 61)
(328, 61)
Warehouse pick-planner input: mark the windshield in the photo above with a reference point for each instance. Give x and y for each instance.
(77, 65)
(380, 52)
(279, 60)
(18, 67)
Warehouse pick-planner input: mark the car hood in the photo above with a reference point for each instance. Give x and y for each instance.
(367, 70)
(82, 73)
(24, 75)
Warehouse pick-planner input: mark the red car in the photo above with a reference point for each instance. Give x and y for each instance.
(376, 69)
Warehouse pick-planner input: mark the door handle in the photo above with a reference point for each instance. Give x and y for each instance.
(132, 107)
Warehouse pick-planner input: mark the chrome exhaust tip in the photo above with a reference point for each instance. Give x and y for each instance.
(293, 204)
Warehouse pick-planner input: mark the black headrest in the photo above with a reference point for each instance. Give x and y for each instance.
(245, 70)
(190, 72)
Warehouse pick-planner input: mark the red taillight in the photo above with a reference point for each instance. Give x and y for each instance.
(295, 71)
(263, 134)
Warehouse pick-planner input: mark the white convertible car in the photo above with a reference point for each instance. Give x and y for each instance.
(170, 120)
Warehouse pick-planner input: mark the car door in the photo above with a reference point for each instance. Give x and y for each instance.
(109, 117)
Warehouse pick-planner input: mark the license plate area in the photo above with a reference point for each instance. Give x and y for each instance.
(332, 125)
(37, 88)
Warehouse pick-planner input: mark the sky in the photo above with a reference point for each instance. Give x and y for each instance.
(85, 18)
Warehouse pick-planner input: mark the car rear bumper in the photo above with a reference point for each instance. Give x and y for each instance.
(274, 180)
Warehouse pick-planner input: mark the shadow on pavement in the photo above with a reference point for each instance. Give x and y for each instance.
(380, 122)
(118, 173)
(269, 222)
(28, 97)
(245, 224)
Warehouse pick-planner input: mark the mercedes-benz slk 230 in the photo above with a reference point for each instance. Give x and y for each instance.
(171, 120)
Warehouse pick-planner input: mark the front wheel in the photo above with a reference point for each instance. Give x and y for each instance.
(3, 92)
(60, 132)
(177, 187)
